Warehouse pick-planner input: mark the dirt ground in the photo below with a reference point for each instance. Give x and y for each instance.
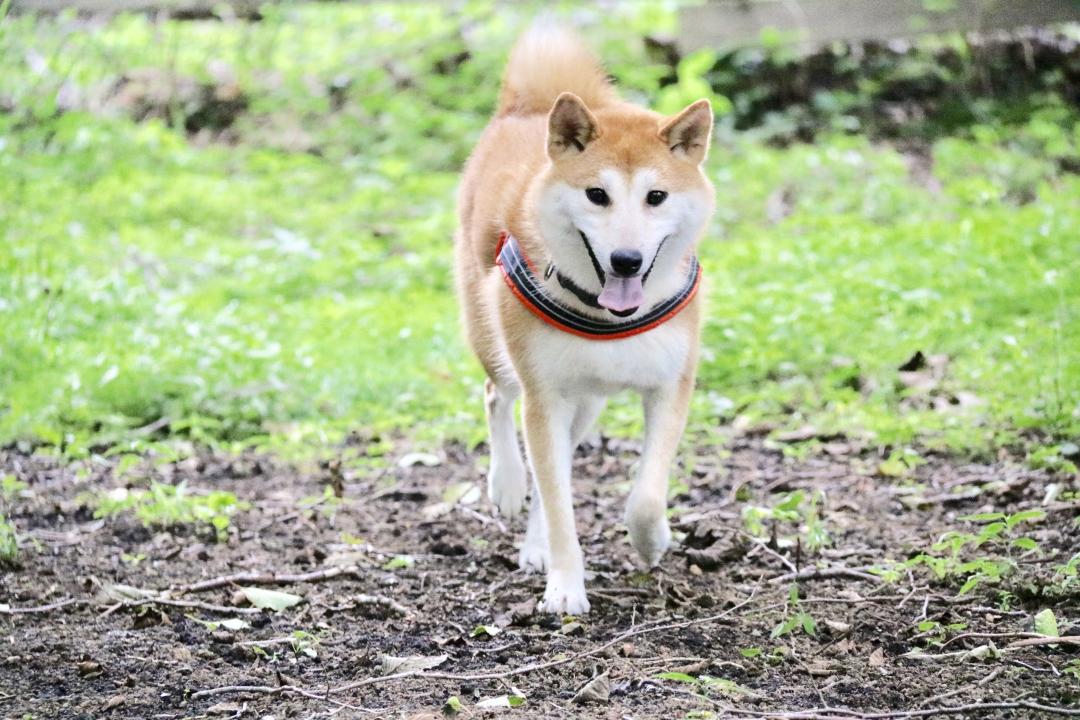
(80, 641)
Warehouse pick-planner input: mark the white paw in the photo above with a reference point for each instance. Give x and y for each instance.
(533, 556)
(507, 487)
(649, 534)
(565, 595)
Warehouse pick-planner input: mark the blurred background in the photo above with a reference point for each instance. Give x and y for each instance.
(230, 223)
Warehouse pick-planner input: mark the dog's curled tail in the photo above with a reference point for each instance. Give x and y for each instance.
(547, 60)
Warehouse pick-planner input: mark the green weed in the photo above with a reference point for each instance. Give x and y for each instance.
(796, 618)
(9, 542)
(985, 556)
(170, 505)
(796, 508)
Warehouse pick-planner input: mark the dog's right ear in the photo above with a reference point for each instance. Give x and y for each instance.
(570, 126)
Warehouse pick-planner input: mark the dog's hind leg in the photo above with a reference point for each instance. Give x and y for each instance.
(588, 409)
(533, 555)
(646, 508)
(507, 479)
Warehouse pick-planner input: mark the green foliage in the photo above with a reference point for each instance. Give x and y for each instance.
(1054, 458)
(935, 633)
(10, 488)
(796, 618)
(796, 507)
(293, 281)
(9, 542)
(710, 685)
(168, 505)
(980, 557)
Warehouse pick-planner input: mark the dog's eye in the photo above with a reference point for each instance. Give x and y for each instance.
(655, 197)
(597, 196)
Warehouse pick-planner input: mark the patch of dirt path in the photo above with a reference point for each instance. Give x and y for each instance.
(105, 651)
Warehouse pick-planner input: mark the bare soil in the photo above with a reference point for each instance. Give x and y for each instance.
(75, 645)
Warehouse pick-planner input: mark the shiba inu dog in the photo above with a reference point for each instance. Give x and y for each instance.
(576, 272)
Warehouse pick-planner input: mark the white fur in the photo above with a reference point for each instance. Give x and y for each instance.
(627, 223)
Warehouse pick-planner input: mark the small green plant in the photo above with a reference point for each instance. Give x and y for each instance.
(1068, 575)
(798, 508)
(900, 463)
(980, 557)
(303, 643)
(710, 685)
(328, 503)
(9, 542)
(399, 562)
(10, 487)
(796, 618)
(936, 633)
(170, 505)
(1053, 458)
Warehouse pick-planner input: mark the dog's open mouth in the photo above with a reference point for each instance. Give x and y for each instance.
(621, 296)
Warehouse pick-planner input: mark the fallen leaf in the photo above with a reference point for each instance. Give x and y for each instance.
(114, 702)
(418, 458)
(391, 665)
(1046, 623)
(488, 630)
(502, 701)
(596, 690)
(877, 658)
(270, 599)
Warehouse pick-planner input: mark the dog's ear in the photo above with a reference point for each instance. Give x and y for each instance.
(570, 126)
(688, 133)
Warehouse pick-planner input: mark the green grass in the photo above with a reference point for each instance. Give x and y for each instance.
(252, 294)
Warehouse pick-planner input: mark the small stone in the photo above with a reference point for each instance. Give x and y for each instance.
(90, 669)
(597, 690)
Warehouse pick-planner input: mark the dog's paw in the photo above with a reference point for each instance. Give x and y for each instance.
(533, 555)
(565, 595)
(650, 535)
(507, 487)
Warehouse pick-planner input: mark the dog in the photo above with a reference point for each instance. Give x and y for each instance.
(579, 216)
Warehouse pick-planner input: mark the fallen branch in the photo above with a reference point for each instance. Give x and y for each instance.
(42, 608)
(1044, 640)
(473, 677)
(261, 578)
(196, 604)
(824, 573)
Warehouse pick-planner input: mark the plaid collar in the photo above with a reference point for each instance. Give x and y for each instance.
(521, 278)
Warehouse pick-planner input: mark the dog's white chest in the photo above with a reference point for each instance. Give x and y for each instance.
(574, 365)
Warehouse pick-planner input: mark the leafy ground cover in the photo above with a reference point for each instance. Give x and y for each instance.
(264, 257)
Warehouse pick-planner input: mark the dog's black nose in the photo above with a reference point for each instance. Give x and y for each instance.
(625, 262)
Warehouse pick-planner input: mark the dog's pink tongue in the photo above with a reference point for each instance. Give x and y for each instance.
(621, 294)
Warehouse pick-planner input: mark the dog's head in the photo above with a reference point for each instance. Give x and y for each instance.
(623, 198)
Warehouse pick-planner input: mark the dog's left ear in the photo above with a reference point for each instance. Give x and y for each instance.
(688, 133)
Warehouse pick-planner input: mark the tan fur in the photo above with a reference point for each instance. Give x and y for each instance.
(567, 66)
(518, 157)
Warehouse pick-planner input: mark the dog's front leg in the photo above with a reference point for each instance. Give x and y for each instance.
(646, 509)
(548, 421)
